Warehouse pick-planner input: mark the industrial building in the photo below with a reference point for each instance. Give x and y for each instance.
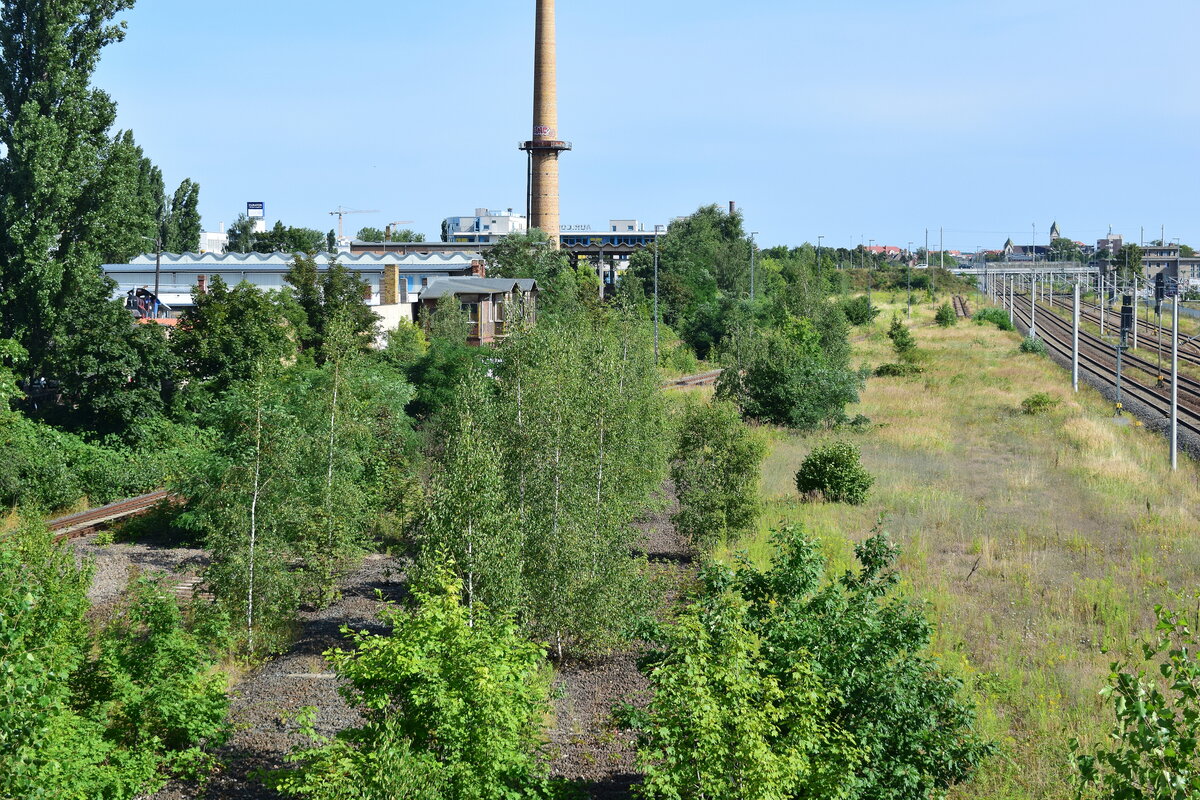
(396, 281)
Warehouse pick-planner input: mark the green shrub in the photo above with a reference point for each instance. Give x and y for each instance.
(50, 469)
(859, 311)
(106, 715)
(723, 722)
(454, 701)
(1151, 752)
(788, 378)
(945, 316)
(735, 703)
(1035, 346)
(681, 359)
(1039, 403)
(902, 339)
(996, 316)
(898, 370)
(715, 470)
(834, 471)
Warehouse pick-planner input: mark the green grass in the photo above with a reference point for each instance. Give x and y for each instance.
(1036, 540)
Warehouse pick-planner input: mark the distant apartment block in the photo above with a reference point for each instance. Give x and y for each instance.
(485, 227)
(214, 241)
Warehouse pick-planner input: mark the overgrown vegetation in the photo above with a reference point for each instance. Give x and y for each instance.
(859, 310)
(1033, 346)
(945, 316)
(96, 714)
(906, 370)
(1155, 697)
(1039, 403)
(778, 683)
(996, 316)
(902, 339)
(454, 700)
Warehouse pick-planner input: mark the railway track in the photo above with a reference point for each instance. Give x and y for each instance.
(75, 525)
(1189, 352)
(699, 379)
(960, 306)
(1098, 358)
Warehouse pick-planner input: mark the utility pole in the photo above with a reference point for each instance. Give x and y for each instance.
(1011, 299)
(908, 279)
(1075, 341)
(1032, 305)
(753, 247)
(656, 235)
(1174, 383)
(869, 246)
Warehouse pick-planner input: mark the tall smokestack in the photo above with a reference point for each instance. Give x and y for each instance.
(545, 145)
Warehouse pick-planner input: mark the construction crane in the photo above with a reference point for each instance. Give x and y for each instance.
(394, 226)
(341, 212)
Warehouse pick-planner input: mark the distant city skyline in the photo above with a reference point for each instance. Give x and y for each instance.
(868, 120)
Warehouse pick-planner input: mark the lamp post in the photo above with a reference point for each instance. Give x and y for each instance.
(753, 248)
(657, 228)
(819, 238)
(908, 278)
(871, 244)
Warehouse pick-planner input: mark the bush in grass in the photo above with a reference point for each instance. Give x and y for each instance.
(859, 311)
(898, 370)
(681, 359)
(902, 339)
(1039, 403)
(1035, 346)
(834, 471)
(945, 316)
(996, 316)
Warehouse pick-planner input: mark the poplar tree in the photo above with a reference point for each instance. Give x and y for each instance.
(54, 133)
(181, 228)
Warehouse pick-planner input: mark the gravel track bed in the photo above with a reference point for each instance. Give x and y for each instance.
(117, 562)
(585, 744)
(301, 677)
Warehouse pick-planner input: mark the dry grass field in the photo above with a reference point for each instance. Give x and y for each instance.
(1037, 541)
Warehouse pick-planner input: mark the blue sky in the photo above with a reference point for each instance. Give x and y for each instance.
(860, 119)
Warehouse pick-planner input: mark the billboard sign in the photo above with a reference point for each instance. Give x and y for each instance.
(256, 210)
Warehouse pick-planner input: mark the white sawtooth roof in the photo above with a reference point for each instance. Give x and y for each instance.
(283, 261)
